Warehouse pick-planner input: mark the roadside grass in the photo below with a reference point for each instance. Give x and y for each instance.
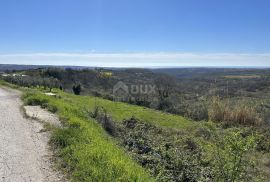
(88, 153)
(4, 83)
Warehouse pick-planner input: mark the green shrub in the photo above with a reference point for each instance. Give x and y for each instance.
(263, 144)
(101, 115)
(77, 89)
(169, 155)
(33, 101)
(230, 160)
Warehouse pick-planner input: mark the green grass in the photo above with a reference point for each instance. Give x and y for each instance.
(88, 153)
(120, 111)
(3, 83)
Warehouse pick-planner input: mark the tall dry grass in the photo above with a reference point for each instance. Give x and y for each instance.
(237, 114)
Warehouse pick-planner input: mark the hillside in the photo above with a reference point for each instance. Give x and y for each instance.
(109, 140)
(181, 132)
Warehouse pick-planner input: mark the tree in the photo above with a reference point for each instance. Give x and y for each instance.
(76, 89)
(164, 85)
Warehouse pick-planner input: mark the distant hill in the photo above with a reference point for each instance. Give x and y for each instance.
(16, 67)
(199, 72)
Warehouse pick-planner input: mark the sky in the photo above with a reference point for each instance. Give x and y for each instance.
(135, 33)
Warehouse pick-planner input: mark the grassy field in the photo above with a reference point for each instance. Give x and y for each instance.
(120, 111)
(88, 152)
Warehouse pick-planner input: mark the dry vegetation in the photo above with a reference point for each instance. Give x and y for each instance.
(238, 114)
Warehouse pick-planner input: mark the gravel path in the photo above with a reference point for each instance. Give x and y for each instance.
(36, 112)
(24, 150)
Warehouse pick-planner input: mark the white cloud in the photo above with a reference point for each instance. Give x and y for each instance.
(139, 59)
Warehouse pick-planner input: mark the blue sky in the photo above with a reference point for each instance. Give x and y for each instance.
(119, 32)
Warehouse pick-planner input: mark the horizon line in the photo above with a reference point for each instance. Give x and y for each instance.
(153, 67)
(141, 59)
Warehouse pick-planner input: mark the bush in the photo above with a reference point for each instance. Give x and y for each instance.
(100, 114)
(35, 101)
(196, 111)
(108, 124)
(167, 154)
(51, 108)
(230, 161)
(263, 144)
(77, 89)
(203, 132)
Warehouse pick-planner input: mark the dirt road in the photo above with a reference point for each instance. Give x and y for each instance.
(24, 150)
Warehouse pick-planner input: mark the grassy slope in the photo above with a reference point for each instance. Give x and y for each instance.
(121, 111)
(88, 152)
